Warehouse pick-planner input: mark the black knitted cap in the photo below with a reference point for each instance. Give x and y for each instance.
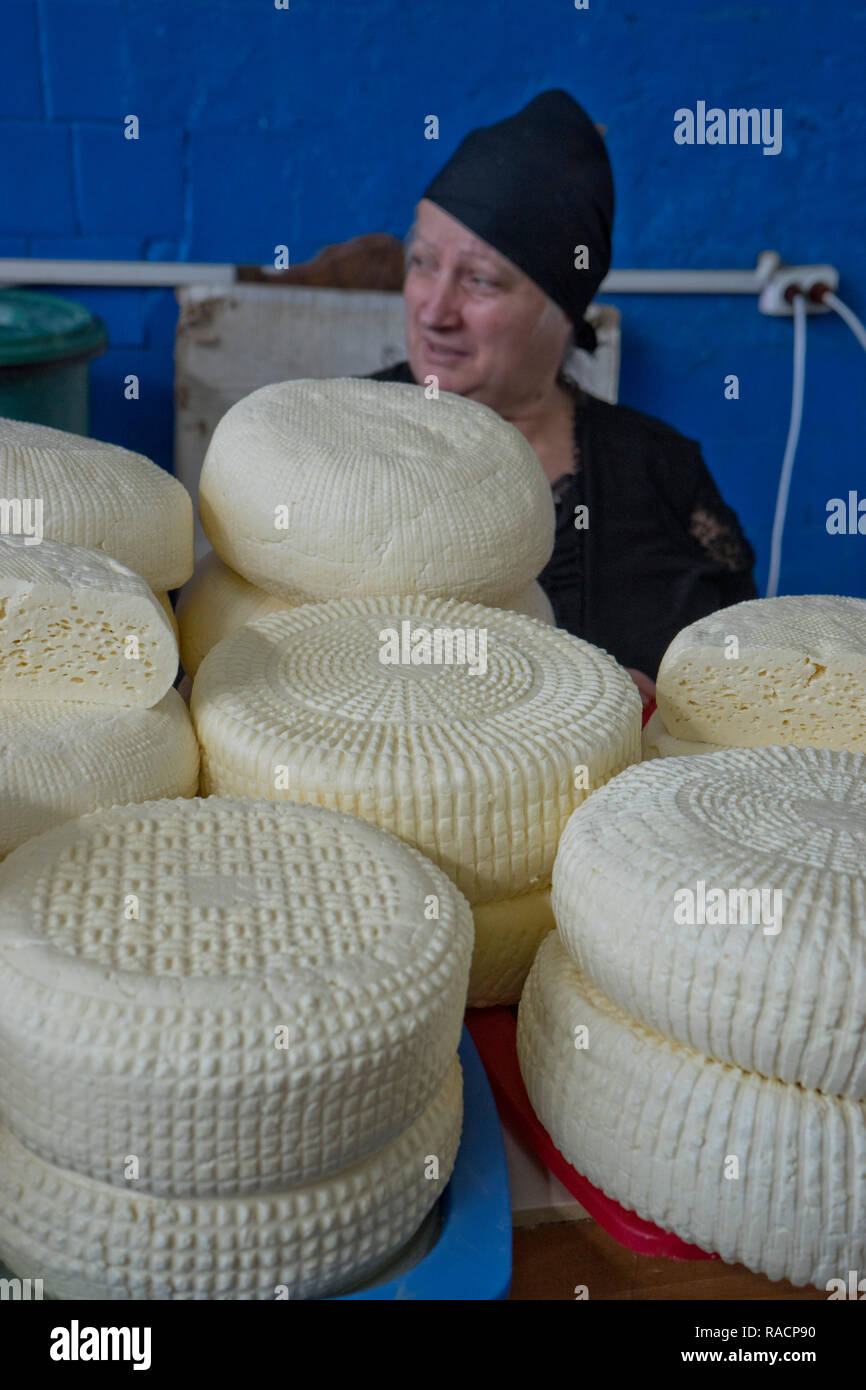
(534, 186)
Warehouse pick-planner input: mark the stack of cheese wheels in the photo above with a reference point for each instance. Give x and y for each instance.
(66, 487)
(88, 717)
(228, 1050)
(693, 1036)
(216, 601)
(786, 670)
(313, 490)
(470, 732)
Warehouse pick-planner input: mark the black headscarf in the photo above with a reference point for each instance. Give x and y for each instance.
(534, 186)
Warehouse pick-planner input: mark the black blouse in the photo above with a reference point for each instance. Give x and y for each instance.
(656, 547)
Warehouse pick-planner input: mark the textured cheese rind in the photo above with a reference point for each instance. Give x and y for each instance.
(533, 602)
(789, 1004)
(156, 1033)
(654, 1125)
(387, 493)
(799, 678)
(87, 1240)
(66, 617)
(216, 601)
(477, 770)
(656, 742)
(164, 602)
(507, 936)
(59, 761)
(102, 496)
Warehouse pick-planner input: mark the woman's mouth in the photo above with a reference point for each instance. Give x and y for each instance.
(436, 352)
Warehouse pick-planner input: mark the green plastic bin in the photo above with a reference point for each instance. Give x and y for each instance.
(46, 345)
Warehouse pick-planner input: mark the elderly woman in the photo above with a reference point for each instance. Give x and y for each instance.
(510, 243)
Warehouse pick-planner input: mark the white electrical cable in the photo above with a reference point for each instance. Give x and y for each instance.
(791, 446)
(24, 270)
(847, 314)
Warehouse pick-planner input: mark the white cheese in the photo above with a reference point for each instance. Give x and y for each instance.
(533, 602)
(721, 900)
(84, 492)
(164, 602)
(656, 742)
(243, 996)
(777, 670)
(479, 768)
(61, 760)
(87, 1240)
(316, 489)
(507, 936)
(76, 625)
(216, 601)
(762, 1173)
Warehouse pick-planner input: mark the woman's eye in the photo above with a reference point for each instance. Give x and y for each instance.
(486, 284)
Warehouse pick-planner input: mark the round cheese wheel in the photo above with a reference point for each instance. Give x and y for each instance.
(89, 1240)
(102, 496)
(164, 602)
(238, 995)
(775, 670)
(317, 489)
(533, 602)
(61, 760)
(762, 1173)
(216, 601)
(507, 935)
(77, 625)
(479, 768)
(656, 742)
(720, 900)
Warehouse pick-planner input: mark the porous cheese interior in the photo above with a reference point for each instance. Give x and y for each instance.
(75, 625)
(799, 675)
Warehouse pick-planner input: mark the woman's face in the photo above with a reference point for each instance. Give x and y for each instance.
(473, 319)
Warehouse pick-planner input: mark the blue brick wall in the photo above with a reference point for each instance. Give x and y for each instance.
(261, 126)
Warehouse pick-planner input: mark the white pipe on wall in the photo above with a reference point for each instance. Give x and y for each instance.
(682, 282)
(23, 271)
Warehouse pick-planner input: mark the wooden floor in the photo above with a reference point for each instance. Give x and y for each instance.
(549, 1261)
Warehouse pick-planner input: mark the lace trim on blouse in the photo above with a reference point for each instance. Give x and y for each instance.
(713, 525)
(715, 534)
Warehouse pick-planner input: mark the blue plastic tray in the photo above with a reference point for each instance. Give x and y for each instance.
(471, 1260)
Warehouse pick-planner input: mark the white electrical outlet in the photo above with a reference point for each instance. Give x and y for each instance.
(772, 298)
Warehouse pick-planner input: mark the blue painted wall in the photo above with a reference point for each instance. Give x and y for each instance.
(305, 126)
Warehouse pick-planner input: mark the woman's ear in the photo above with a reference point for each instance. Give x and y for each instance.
(567, 348)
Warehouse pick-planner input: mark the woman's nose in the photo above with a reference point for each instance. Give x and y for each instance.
(440, 304)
